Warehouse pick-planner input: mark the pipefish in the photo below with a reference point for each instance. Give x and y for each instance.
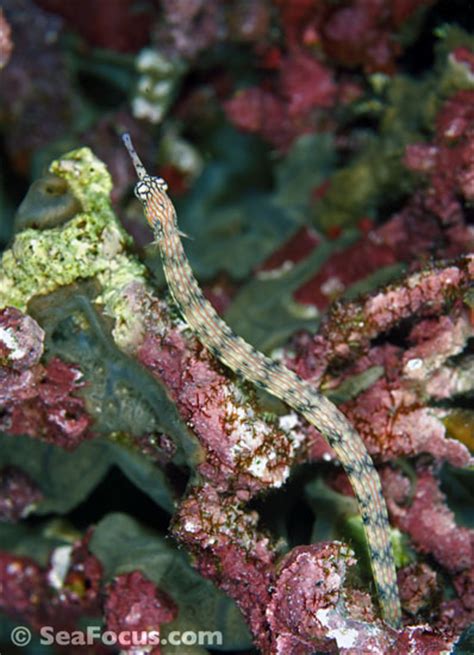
(274, 378)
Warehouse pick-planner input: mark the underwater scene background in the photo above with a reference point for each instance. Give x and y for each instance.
(320, 155)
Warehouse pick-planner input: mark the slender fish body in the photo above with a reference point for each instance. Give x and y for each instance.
(275, 378)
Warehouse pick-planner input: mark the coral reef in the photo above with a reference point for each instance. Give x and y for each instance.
(323, 165)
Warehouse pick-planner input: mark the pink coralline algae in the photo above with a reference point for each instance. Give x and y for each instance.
(343, 269)
(412, 234)
(81, 586)
(6, 45)
(422, 513)
(243, 452)
(21, 340)
(432, 223)
(307, 589)
(190, 27)
(35, 108)
(38, 400)
(294, 606)
(23, 584)
(431, 525)
(358, 33)
(228, 549)
(422, 293)
(410, 432)
(72, 585)
(293, 251)
(393, 414)
(418, 585)
(354, 33)
(19, 494)
(301, 71)
(390, 415)
(448, 163)
(134, 605)
(350, 327)
(49, 595)
(260, 111)
(364, 33)
(308, 611)
(305, 84)
(117, 25)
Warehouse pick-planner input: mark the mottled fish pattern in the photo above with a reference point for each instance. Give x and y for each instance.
(275, 378)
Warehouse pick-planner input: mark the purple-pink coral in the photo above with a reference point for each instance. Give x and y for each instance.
(48, 595)
(319, 37)
(134, 608)
(242, 452)
(19, 494)
(307, 589)
(134, 611)
(38, 399)
(6, 44)
(423, 514)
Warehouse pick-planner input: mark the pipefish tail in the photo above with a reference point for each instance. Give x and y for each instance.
(267, 374)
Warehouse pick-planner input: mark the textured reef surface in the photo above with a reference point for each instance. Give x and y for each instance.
(321, 156)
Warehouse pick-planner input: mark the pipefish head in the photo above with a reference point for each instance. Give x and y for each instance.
(151, 191)
(149, 187)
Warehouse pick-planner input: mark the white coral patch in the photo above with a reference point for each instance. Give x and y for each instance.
(288, 421)
(332, 286)
(9, 338)
(60, 561)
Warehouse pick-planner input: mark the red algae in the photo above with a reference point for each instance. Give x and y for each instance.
(419, 586)
(342, 269)
(448, 162)
(306, 84)
(228, 549)
(242, 452)
(6, 44)
(19, 494)
(363, 33)
(56, 595)
(23, 584)
(261, 111)
(307, 589)
(432, 526)
(133, 604)
(117, 26)
(38, 399)
(418, 507)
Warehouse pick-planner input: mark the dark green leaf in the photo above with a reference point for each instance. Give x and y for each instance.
(65, 478)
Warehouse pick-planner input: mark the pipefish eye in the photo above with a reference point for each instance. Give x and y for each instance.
(142, 190)
(161, 184)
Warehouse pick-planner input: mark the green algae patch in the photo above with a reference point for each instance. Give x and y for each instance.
(91, 244)
(88, 179)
